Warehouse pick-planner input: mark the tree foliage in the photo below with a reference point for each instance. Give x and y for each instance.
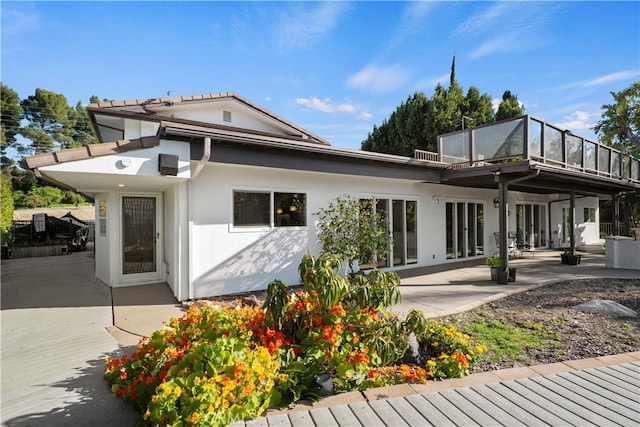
(50, 121)
(6, 202)
(509, 107)
(417, 122)
(10, 124)
(620, 124)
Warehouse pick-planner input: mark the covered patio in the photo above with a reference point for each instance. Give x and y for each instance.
(528, 155)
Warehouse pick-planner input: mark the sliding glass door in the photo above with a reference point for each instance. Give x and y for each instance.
(464, 229)
(402, 220)
(531, 224)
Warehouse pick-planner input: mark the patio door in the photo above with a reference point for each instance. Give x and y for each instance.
(140, 239)
(531, 224)
(465, 229)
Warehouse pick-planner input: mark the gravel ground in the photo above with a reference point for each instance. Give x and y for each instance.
(576, 334)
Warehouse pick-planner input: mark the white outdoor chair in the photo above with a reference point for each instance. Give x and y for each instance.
(512, 239)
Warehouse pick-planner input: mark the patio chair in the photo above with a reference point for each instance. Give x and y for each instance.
(512, 239)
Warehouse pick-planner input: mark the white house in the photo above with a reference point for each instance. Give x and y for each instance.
(215, 195)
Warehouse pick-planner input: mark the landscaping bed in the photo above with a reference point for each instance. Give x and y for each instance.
(546, 328)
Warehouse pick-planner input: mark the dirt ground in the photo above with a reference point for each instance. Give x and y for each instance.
(576, 334)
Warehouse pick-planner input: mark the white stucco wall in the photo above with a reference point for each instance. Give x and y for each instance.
(226, 260)
(586, 233)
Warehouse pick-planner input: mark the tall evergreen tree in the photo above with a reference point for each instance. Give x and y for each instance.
(11, 113)
(509, 107)
(419, 120)
(50, 122)
(83, 131)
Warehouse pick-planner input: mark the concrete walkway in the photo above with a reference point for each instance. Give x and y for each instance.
(56, 318)
(54, 341)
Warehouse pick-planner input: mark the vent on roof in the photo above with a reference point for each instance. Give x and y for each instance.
(226, 116)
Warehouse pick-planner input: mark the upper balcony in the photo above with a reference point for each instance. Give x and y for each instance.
(529, 138)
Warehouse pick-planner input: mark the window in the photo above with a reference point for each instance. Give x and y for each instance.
(251, 209)
(589, 214)
(289, 210)
(256, 209)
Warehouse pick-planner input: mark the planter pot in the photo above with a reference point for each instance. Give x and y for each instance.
(563, 258)
(573, 259)
(512, 274)
(502, 277)
(494, 273)
(326, 382)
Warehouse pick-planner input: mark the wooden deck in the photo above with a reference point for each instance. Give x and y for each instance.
(603, 396)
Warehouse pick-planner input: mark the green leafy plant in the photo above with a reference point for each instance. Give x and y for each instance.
(353, 230)
(494, 261)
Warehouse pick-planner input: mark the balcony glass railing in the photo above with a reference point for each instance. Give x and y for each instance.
(529, 138)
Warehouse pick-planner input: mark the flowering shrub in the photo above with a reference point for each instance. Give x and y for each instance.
(212, 366)
(218, 364)
(449, 352)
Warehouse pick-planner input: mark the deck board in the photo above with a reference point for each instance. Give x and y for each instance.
(408, 412)
(344, 416)
(496, 412)
(603, 388)
(455, 413)
(430, 412)
(322, 417)
(547, 400)
(387, 413)
(594, 394)
(365, 414)
(582, 406)
(478, 414)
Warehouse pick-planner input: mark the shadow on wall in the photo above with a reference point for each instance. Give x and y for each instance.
(274, 256)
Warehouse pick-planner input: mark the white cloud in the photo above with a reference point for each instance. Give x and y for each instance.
(326, 106)
(613, 77)
(579, 121)
(364, 115)
(487, 18)
(15, 22)
(379, 79)
(602, 80)
(508, 27)
(301, 26)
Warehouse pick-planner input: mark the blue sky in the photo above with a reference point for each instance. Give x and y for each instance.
(334, 68)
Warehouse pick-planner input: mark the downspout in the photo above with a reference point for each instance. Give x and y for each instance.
(206, 156)
(503, 193)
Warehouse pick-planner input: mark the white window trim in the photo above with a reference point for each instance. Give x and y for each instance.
(271, 191)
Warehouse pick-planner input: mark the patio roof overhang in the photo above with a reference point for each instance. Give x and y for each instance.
(543, 179)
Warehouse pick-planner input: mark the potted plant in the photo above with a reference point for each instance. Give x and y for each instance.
(502, 275)
(494, 262)
(569, 258)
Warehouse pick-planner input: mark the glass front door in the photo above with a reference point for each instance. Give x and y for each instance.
(140, 237)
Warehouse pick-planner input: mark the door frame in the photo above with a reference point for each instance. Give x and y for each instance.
(141, 278)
